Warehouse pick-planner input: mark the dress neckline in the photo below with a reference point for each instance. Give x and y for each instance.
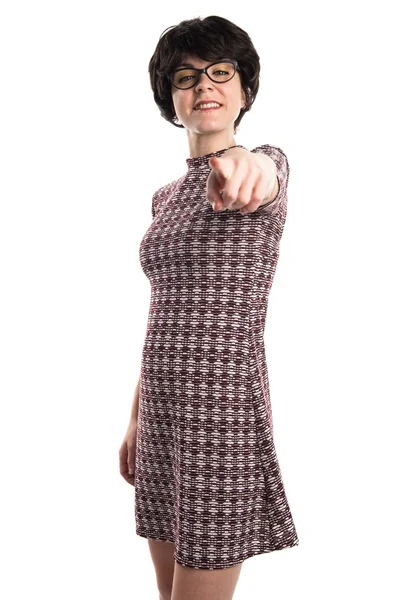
(200, 162)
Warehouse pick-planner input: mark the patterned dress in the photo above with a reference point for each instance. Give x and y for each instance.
(207, 476)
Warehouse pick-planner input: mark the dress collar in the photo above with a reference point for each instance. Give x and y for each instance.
(201, 162)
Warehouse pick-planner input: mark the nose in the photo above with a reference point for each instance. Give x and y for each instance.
(203, 82)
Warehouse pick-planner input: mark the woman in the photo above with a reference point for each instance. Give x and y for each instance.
(199, 447)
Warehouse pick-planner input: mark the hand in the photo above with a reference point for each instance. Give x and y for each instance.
(127, 454)
(245, 178)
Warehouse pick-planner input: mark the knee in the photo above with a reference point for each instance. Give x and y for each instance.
(165, 594)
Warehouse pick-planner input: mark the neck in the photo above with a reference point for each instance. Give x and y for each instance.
(200, 144)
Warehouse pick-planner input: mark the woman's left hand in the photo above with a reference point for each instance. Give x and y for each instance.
(245, 178)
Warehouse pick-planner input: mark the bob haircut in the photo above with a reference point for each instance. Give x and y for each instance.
(208, 39)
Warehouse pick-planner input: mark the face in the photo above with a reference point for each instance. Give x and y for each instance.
(229, 95)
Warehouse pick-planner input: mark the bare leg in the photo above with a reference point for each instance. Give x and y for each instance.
(204, 584)
(162, 554)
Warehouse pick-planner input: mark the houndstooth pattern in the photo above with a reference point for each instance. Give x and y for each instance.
(207, 475)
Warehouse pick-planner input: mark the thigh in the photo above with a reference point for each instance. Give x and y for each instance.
(204, 584)
(162, 554)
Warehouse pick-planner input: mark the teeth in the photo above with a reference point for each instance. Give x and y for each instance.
(207, 105)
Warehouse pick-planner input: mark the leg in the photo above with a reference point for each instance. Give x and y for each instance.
(162, 554)
(204, 584)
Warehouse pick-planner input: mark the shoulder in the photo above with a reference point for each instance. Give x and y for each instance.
(164, 192)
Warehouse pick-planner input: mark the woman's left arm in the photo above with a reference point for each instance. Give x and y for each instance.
(267, 163)
(249, 180)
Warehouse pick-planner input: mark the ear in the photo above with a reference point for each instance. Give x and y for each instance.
(243, 98)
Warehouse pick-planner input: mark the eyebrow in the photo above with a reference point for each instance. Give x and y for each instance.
(193, 67)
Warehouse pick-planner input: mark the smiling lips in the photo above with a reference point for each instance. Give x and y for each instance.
(207, 108)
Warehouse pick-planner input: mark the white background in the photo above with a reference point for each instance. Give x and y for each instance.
(83, 148)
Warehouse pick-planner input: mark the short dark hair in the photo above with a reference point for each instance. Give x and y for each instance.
(208, 39)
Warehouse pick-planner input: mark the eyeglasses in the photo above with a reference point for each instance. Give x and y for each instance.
(187, 77)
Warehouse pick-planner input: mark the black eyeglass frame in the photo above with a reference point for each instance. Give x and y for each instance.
(205, 70)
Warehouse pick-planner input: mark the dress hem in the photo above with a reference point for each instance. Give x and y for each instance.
(227, 565)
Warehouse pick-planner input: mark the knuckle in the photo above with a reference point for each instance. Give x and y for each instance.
(256, 198)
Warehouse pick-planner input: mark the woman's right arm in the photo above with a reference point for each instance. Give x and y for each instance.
(135, 404)
(127, 452)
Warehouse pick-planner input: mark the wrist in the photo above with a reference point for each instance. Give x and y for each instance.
(273, 194)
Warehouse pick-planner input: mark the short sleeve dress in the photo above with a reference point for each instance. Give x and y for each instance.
(207, 476)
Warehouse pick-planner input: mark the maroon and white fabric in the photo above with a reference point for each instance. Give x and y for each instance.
(207, 475)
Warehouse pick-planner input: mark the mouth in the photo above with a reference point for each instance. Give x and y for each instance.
(207, 109)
